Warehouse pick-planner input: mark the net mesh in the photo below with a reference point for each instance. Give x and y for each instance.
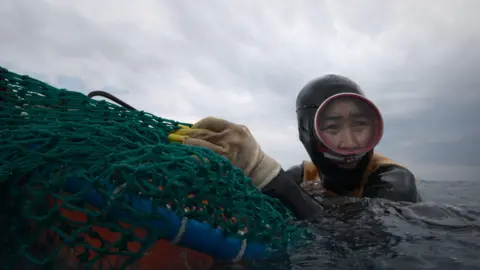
(50, 136)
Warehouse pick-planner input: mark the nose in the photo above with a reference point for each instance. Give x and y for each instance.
(347, 139)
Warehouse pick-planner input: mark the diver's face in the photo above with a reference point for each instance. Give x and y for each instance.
(345, 126)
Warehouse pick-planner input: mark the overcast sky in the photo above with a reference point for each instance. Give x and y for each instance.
(245, 61)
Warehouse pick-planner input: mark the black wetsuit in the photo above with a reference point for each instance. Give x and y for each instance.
(390, 182)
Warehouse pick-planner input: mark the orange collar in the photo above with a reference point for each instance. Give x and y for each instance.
(311, 173)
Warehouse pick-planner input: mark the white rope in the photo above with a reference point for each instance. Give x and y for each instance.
(181, 231)
(119, 188)
(241, 251)
(184, 258)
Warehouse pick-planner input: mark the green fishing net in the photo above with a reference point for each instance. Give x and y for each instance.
(50, 136)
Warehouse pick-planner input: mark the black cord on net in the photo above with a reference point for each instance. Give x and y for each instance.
(111, 97)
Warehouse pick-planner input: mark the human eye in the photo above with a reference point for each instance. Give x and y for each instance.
(361, 123)
(330, 127)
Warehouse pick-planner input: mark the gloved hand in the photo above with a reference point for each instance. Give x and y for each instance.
(236, 143)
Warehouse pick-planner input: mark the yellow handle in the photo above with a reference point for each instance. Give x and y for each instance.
(177, 135)
(185, 131)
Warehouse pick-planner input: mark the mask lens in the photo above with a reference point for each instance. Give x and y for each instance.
(348, 124)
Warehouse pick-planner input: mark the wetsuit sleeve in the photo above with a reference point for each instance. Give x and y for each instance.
(393, 183)
(296, 173)
(286, 188)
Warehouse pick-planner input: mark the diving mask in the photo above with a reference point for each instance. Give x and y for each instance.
(347, 126)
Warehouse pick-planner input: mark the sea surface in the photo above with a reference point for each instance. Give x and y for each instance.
(442, 233)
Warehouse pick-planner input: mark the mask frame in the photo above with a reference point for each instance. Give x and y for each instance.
(354, 155)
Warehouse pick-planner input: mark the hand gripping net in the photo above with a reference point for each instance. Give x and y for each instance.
(50, 136)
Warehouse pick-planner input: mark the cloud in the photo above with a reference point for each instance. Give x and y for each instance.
(246, 61)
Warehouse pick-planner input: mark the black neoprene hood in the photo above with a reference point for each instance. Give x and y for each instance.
(310, 97)
(319, 89)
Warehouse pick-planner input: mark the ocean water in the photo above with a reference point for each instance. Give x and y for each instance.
(442, 233)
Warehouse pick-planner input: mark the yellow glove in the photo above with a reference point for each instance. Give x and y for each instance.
(236, 143)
